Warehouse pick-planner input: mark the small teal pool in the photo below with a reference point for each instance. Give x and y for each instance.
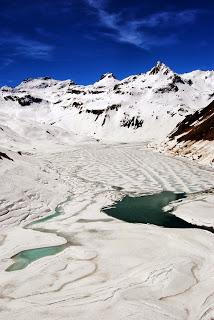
(24, 258)
(56, 213)
(51, 216)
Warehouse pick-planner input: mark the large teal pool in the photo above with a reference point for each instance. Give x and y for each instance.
(148, 209)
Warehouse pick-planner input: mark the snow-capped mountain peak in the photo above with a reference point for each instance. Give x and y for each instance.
(107, 75)
(106, 80)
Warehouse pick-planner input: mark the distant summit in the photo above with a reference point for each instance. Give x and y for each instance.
(107, 80)
(160, 67)
(107, 75)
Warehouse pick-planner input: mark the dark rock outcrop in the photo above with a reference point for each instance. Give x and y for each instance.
(197, 126)
(4, 155)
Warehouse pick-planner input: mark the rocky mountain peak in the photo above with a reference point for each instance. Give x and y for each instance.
(108, 75)
(160, 68)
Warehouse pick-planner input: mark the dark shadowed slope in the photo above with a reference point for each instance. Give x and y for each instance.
(197, 126)
(194, 136)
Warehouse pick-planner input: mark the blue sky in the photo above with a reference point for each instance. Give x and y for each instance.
(81, 39)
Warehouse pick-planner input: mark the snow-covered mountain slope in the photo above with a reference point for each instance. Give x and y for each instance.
(194, 136)
(50, 170)
(143, 107)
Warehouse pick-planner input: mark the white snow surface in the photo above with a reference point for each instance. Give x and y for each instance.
(112, 269)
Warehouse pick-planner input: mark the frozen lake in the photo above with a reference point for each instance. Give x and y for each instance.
(111, 268)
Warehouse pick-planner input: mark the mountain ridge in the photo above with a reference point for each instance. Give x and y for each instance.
(157, 65)
(145, 107)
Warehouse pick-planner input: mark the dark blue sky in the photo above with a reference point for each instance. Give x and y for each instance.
(81, 39)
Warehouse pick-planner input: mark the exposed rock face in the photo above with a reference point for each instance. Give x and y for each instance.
(134, 122)
(3, 155)
(194, 136)
(160, 67)
(107, 75)
(197, 126)
(26, 100)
